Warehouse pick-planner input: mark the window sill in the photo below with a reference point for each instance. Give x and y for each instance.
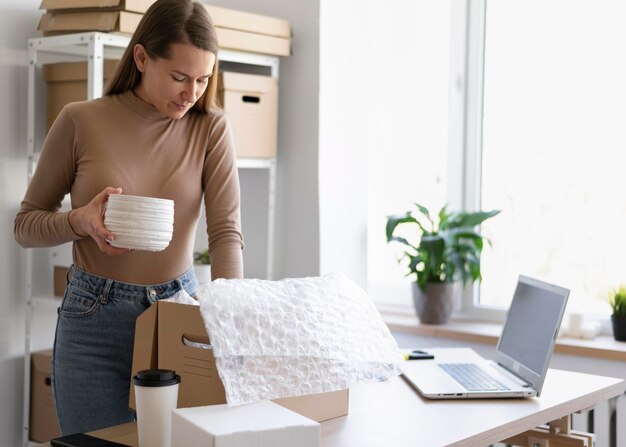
(473, 331)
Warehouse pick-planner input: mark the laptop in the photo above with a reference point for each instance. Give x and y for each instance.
(522, 355)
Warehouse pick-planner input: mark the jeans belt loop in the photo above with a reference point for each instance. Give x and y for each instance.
(104, 297)
(68, 275)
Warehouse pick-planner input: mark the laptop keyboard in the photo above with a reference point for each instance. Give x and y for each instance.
(472, 377)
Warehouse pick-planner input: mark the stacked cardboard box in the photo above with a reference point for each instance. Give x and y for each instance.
(236, 30)
(43, 417)
(73, 16)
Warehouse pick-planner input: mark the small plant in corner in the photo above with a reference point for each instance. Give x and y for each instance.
(617, 301)
(202, 257)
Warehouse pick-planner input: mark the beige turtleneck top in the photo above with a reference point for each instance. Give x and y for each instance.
(121, 141)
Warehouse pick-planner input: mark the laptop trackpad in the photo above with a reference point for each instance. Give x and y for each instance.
(428, 378)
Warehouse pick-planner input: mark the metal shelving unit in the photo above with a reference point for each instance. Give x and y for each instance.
(95, 47)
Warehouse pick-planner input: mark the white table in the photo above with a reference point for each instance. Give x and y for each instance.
(392, 413)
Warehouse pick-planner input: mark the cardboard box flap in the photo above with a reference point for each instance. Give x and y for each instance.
(318, 406)
(249, 83)
(90, 21)
(245, 21)
(74, 71)
(42, 361)
(125, 5)
(145, 350)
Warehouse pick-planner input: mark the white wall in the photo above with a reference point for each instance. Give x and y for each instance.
(322, 136)
(345, 101)
(18, 21)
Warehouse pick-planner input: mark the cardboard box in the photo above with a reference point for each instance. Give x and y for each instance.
(252, 104)
(161, 333)
(126, 22)
(243, 31)
(262, 424)
(236, 30)
(139, 6)
(67, 82)
(43, 417)
(231, 39)
(60, 279)
(252, 23)
(122, 22)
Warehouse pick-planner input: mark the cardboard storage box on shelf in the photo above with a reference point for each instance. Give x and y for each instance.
(262, 424)
(70, 16)
(67, 82)
(239, 30)
(252, 105)
(60, 279)
(231, 39)
(161, 334)
(43, 417)
(236, 30)
(139, 6)
(122, 22)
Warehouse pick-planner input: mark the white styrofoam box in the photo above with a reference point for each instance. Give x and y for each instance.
(261, 424)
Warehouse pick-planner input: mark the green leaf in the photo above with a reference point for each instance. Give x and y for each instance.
(444, 218)
(202, 257)
(394, 221)
(425, 212)
(472, 219)
(617, 300)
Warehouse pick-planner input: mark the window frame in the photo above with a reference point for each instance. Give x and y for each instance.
(466, 137)
(467, 56)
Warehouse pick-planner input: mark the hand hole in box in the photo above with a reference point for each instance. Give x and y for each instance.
(196, 342)
(252, 99)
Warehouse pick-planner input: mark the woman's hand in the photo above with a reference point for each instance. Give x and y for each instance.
(89, 221)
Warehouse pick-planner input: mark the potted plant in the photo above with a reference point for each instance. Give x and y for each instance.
(202, 266)
(442, 253)
(617, 300)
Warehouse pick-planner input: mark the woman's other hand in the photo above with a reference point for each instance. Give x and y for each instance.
(88, 221)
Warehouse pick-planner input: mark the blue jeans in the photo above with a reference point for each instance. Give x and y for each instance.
(93, 347)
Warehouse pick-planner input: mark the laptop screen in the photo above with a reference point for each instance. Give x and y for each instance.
(533, 320)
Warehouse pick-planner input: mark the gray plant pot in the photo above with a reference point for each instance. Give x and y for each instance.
(435, 305)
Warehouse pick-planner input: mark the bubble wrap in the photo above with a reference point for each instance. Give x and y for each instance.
(293, 337)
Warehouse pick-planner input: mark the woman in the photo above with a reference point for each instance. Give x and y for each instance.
(155, 133)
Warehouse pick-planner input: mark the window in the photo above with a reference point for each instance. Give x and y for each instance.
(550, 142)
(409, 127)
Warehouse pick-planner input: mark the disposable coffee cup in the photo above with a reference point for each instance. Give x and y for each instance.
(156, 393)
